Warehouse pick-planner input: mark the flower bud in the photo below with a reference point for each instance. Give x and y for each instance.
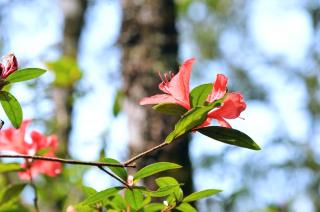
(11, 65)
(130, 180)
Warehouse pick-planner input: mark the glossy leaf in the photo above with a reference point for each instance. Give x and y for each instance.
(25, 74)
(200, 194)
(163, 191)
(170, 108)
(11, 193)
(153, 207)
(193, 118)
(12, 108)
(229, 136)
(119, 171)
(134, 198)
(88, 191)
(199, 94)
(185, 207)
(118, 202)
(9, 167)
(154, 168)
(164, 182)
(101, 196)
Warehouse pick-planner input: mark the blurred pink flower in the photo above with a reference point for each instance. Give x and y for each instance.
(14, 140)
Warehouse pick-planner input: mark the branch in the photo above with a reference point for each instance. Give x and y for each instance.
(61, 160)
(114, 176)
(131, 160)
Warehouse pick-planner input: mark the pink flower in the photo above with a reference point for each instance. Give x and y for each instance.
(231, 108)
(11, 65)
(14, 140)
(175, 87)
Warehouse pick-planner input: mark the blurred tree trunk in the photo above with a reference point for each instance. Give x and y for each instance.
(73, 11)
(149, 43)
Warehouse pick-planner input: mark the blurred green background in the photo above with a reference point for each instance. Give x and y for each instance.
(103, 55)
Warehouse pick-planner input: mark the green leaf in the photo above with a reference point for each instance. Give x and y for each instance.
(88, 191)
(199, 94)
(11, 193)
(186, 207)
(200, 194)
(119, 171)
(100, 196)
(66, 71)
(153, 207)
(154, 168)
(193, 118)
(43, 151)
(164, 182)
(117, 104)
(134, 198)
(170, 108)
(163, 191)
(9, 167)
(12, 108)
(118, 202)
(229, 136)
(25, 74)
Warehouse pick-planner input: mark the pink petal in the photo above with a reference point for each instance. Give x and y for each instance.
(156, 99)
(223, 122)
(232, 106)
(179, 84)
(219, 88)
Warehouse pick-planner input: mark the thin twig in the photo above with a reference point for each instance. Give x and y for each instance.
(61, 160)
(114, 176)
(35, 198)
(131, 160)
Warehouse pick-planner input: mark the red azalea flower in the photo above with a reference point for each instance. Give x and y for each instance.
(231, 107)
(14, 140)
(175, 87)
(11, 65)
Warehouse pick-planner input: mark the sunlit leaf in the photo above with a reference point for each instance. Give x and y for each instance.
(154, 168)
(25, 74)
(66, 71)
(200, 194)
(185, 207)
(229, 136)
(170, 108)
(164, 182)
(100, 196)
(134, 198)
(193, 118)
(199, 94)
(12, 108)
(153, 207)
(119, 171)
(117, 104)
(11, 193)
(88, 191)
(9, 167)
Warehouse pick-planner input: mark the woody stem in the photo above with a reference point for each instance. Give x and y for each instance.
(131, 160)
(61, 160)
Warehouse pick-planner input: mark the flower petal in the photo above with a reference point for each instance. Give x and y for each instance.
(232, 106)
(219, 88)
(156, 99)
(179, 84)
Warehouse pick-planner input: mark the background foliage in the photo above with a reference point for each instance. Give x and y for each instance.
(270, 50)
